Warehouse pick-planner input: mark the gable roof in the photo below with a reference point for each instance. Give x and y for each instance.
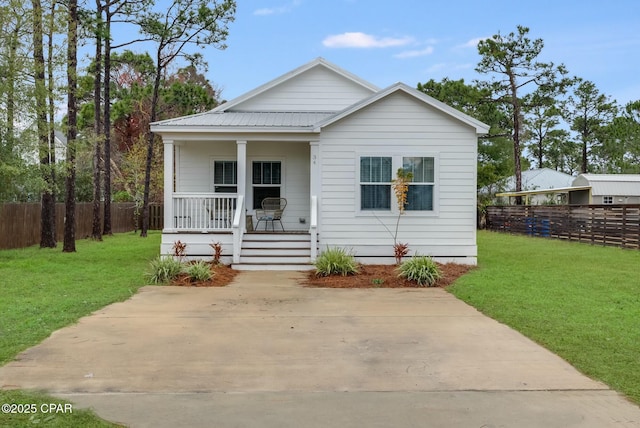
(480, 127)
(318, 62)
(223, 118)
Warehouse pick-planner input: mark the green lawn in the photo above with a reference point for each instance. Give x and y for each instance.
(580, 301)
(42, 290)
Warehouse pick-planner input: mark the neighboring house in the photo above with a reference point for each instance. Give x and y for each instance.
(536, 179)
(586, 189)
(330, 143)
(607, 189)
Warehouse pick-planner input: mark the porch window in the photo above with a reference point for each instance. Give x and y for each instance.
(225, 176)
(267, 181)
(375, 183)
(420, 194)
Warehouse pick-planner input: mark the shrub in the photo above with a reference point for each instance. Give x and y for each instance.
(198, 271)
(179, 250)
(163, 270)
(336, 261)
(421, 269)
(217, 252)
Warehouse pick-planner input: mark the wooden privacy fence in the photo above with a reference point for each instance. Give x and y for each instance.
(615, 225)
(20, 223)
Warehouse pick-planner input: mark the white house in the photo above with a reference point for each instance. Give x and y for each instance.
(330, 143)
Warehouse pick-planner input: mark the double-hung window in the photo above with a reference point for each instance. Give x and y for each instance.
(420, 194)
(375, 182)
(266, 180)
(378, 172)
(225, 176)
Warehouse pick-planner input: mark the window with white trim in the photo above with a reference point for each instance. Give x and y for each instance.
(375, 183)
(378, 172)
(607, 200)
(420, 194)
(266, 180)
(225, 176)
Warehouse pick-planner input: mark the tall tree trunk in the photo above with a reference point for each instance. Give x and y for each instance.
(72, 82)
(517, 149)
(107, 122)
(47, 219)
(96, 226)
(584, 167)
(150, 144)
(52, 111)
(11, 89)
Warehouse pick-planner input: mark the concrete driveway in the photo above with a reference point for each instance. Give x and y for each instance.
(267, 352)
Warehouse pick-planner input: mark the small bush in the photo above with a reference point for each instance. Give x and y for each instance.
(421, 269)
(198, 271)
(336, 261)
(163, 270)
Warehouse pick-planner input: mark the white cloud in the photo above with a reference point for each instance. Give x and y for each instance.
(362, 40)
(277, 10)
(473, 42)
(415, 53)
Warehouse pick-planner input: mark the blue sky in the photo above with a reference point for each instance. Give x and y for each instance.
(416, 40)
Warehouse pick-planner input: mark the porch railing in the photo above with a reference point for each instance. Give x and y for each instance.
(203, 211)
(238, 229)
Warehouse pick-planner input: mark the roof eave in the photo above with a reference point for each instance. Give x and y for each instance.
(193, 129)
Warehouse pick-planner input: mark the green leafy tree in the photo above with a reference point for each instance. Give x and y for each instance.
(494, 149)
(620, 150)
(511, 61)
(588, 112)
(542, 124)
(183, 24)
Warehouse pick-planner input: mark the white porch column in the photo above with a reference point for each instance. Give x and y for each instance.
(168, 184)
(241, 158)
(314, 190)
(314, 170)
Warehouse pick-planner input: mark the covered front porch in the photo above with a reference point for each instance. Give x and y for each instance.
(213, 192)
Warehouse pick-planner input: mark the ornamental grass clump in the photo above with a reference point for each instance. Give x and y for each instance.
(421, 269)
(163, 270)
(198, 271)
(336, 261)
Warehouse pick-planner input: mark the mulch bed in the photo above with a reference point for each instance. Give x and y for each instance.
(383, 276)
(222, 275)
(370, 276)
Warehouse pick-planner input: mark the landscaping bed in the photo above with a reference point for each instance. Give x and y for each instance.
(383, 276)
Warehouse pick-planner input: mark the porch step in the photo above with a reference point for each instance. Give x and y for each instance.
(275, 251)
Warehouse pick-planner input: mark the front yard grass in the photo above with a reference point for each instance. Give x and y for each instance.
(582, 302)
(42, 290)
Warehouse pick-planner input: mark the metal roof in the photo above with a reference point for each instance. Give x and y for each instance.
(610, 184)
(251, 119)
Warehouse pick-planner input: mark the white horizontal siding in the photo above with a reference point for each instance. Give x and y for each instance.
(317, 89)
(400, 125)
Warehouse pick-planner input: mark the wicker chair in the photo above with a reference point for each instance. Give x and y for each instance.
(272, 210)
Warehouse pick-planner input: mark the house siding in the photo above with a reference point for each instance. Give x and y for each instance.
(318, 89)
(400, 125)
